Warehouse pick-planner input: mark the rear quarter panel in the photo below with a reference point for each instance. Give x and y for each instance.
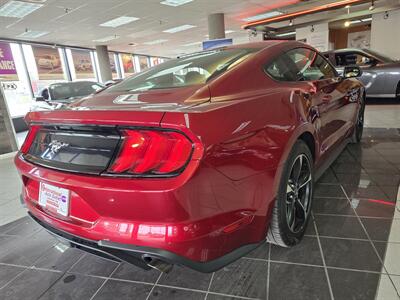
(247, 130)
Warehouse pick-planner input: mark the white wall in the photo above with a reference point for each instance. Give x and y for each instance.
(319, 38)
(385, 33)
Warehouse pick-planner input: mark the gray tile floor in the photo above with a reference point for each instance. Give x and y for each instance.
(351, 249)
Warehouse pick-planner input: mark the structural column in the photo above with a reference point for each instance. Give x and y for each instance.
(8, 141)
(216, 26)
(104, 63)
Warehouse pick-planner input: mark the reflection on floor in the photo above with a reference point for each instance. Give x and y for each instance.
(351, 249)
(382, 113)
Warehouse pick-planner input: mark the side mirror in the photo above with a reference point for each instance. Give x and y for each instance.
(351, 72)
(40, 99)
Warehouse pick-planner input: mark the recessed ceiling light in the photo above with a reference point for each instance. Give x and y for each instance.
(119, 21)
(175, 2)
(347, 23)
(107, 39)
(32, 34)
(155, 42)
(179, 28)
(266, 15)
(18, 9)
(132, 44)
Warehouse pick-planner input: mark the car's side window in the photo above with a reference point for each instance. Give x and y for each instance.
(300, 64)
(311, 65)
(282, 68)
(45, 94)
(352, 59)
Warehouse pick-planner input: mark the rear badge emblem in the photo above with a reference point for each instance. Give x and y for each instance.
(56, 146)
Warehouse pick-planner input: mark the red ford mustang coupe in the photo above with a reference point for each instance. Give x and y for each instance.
(196, 161)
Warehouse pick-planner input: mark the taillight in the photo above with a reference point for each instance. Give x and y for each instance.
(29, 139)
(151, 152)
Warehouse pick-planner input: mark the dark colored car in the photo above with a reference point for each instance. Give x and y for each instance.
(196, 161)
(380, 74)
(61, 93)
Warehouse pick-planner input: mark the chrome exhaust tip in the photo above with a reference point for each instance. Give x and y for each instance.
(157, 264)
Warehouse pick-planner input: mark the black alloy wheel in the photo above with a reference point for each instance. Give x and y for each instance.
(292, 209)
(298, 194)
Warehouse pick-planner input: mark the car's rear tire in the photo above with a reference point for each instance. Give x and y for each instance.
(292, 208)
(359, 125)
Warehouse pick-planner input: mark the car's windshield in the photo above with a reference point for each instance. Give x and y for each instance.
(380, 56)
(197, 68)
(71, 90)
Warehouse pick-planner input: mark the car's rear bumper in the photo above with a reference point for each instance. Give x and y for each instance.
(179, 219)
(138, 255)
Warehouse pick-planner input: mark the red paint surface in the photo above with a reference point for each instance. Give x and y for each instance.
(245, 124)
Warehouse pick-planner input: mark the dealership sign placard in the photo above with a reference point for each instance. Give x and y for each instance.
(7, 65)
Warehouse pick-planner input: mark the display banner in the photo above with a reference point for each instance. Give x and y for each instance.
(48, 63)
(8, 142)
(8, 70)
(113, 65)
(143, 62)
(83, 64)
(127, 64)
(212, 44)
(156, 61)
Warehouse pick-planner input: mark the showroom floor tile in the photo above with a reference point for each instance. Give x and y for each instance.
(350, 251)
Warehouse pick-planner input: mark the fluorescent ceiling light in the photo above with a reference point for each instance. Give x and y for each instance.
(266, 15)
(32, 34)
(18, 9)
(179, 28)
(107, 39)
(155, 42)
(119, 21)
(192, 44)
(359, 21)
(175, 3)
(286, 34)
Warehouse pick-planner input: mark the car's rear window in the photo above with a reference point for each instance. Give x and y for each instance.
(197, 68)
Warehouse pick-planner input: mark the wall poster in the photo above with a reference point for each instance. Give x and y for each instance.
(82, 64)
(48, 63)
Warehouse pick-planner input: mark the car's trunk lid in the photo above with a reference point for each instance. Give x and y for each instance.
(85, 136)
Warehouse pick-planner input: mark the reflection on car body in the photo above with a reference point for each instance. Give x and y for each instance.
(58, 94)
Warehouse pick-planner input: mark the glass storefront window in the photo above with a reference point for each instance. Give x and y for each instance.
(154, 61)
(14, 80)
(128, 66)
(81, 64)
(45, 65)
(113, 57)
(142, 62)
